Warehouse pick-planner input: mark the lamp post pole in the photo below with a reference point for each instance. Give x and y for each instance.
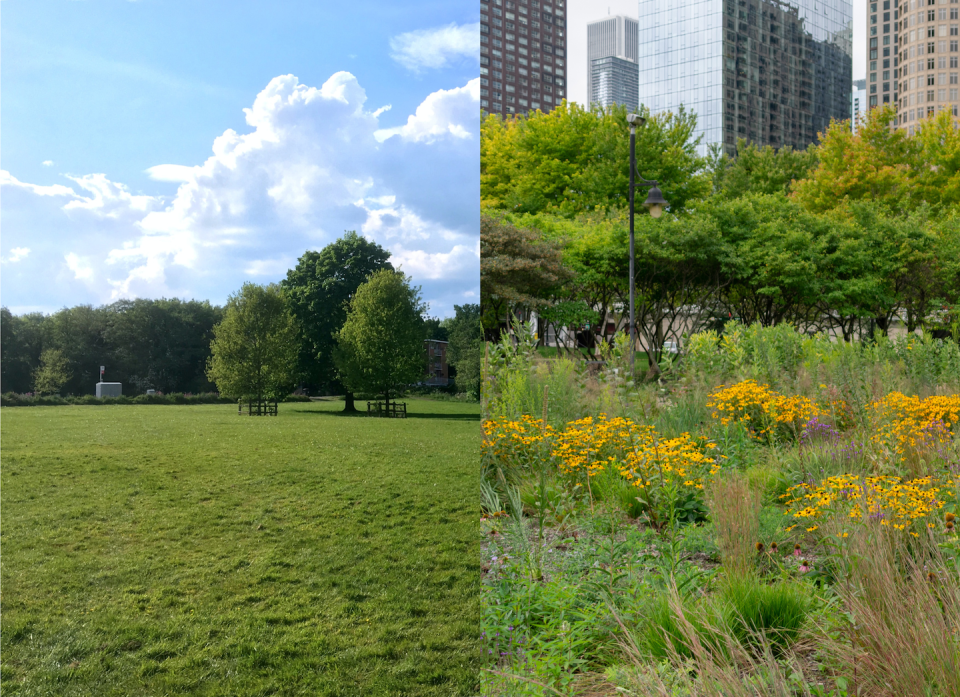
(633, 325)
(655, 203)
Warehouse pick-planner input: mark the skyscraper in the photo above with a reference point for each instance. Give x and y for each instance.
(771, 72)
(612, 73)
(882, 53)
(523, 55)
(924, 59)
(858, 103)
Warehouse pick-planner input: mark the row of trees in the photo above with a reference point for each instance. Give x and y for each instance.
(159, 344)
(843, 237)
(266, 341)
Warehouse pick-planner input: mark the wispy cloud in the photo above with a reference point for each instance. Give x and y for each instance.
(426, 49)
(16, 254)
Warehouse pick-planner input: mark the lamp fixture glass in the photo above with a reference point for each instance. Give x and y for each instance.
(655, 202)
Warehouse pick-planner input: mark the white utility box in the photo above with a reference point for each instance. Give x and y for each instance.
(109, 389)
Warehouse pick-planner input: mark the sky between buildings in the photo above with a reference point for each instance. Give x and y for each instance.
(179, 148)
(580, 12)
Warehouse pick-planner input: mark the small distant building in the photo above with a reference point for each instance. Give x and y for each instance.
(109, 389)
(858, 103)
(437, 372)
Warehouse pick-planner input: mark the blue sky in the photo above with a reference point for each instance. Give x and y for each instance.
(160, 148)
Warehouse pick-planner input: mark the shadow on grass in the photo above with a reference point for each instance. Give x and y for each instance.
(363, 415)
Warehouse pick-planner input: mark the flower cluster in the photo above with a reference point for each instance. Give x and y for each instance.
(763, 410)
(908, 424)
(517, 440)
(889, 499)
(637, 451)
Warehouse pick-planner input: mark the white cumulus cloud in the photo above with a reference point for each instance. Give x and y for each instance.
(313, 163)
(436, 48)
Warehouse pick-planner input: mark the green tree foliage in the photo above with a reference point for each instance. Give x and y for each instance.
(161, 344)
(380, 347)
(465, 351)
(52, 373)
(518, 270)
(21, 343)
(571, 160)
(763, 170)
(888, 166)
(320, 289)
(436, 328)
(255, 347)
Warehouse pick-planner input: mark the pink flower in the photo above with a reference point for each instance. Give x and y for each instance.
(804, 568)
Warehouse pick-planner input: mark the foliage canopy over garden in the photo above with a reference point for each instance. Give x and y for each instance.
(846, 236)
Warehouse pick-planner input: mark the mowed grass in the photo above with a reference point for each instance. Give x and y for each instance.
(168, 550)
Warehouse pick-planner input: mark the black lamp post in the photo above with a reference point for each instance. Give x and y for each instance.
(655, 203)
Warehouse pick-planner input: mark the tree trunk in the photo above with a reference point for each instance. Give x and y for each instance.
(349, 406)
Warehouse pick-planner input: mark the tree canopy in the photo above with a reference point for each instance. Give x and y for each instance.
(848, 236)
(572, 160)
(320, 289)
(254, 349)
(380, 347)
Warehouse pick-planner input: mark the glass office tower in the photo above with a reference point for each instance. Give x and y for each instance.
(771, 72)
(613, 80)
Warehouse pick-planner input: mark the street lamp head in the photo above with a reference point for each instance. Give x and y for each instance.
(655, 202)
(635, 119)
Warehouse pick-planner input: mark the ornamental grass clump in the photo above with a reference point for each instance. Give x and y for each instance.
(735, 513)
(906, 636)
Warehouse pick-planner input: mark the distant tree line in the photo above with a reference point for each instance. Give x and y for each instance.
(145, 344)
(847, 236)
(267, 340)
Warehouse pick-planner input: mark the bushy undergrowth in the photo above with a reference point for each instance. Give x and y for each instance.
(737, 527)
(11, 399)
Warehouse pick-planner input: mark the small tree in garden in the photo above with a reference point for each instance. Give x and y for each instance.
(52, 373)
(255, 347)
(380, 347)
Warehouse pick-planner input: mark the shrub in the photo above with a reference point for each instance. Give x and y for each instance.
(10, 399)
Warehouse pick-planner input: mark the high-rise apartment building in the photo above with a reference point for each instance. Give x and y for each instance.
(858, 103)
(927, 54)
(523, 55)
(771, 72)
(882, 52)
(612, 71)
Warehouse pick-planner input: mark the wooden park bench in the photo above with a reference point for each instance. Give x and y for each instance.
(395, 409)
(258, 407)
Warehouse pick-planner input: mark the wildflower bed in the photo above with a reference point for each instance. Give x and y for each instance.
(581, 564)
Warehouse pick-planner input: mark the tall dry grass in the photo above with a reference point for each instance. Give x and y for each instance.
(735, 511)
(904, 602)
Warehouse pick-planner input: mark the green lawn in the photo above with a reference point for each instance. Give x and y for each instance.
(168, 550)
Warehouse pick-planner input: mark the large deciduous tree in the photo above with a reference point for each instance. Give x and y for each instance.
(380, 347)
(571, 160)
(320, 289)
(254, 350)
